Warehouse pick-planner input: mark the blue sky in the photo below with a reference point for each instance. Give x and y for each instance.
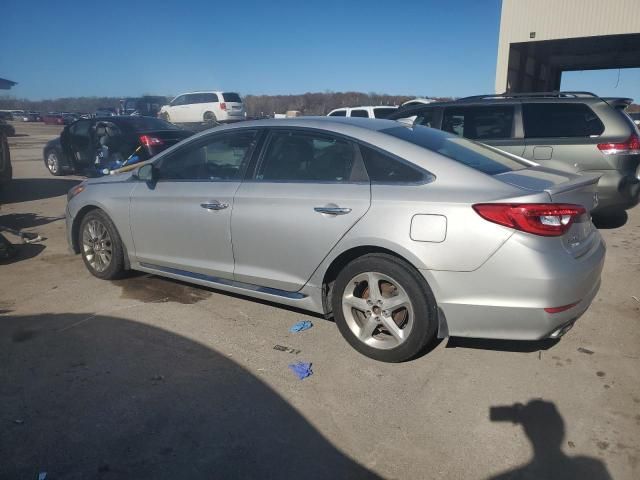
(118, 48)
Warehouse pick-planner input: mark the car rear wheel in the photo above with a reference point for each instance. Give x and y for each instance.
(384, 308)
(101, 246)
(165, 116)
(53, 163)
(209, 117)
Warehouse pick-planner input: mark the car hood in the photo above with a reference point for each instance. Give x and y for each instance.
(115, 178)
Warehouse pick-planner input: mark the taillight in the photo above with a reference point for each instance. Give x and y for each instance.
(546, 219)
(630, 147)
(223, 106)
(564, 308)
(149, 141)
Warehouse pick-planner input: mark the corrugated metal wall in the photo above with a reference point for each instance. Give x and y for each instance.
(557, 19)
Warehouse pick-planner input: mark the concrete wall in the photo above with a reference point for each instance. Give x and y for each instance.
(557, 19)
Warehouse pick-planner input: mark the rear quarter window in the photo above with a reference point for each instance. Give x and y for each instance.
(560, 120)
(383, 168)
(231, 97)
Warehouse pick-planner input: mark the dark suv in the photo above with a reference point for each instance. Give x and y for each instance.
(571, 131)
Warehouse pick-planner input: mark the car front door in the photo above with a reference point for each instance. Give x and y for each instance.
(181, 222)
(176, 108)
(77, 143)
(309, 189)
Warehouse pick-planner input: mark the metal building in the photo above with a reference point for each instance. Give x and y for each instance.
(540, 39)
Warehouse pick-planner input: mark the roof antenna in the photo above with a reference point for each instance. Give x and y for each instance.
(618, 81)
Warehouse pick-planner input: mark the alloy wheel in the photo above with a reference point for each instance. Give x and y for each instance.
(378, 310)
(97, 246)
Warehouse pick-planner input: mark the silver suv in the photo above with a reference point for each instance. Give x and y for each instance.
(577, 132)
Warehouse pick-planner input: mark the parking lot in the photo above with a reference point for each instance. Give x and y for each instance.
(151, 378)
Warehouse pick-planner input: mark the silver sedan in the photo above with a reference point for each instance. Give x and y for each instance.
(401, 234)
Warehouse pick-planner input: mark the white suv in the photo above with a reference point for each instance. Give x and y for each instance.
(364, 112)
(198, 107)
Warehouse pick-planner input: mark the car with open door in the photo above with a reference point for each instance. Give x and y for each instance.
(402, 234)
(118, 137)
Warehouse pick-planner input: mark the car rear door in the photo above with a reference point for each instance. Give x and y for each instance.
(494, 125)
(233, 105)
(309, 189)
(181, 223)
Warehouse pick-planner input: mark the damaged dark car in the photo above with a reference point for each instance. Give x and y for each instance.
(87, 145)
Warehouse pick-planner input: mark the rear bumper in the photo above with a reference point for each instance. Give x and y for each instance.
(506, 297)
(616, 191)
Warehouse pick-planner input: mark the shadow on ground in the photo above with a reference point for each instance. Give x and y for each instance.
(502, 345)
(28, 189)
(18, 221)
(22, 251)
(545, 429)
(102, 397)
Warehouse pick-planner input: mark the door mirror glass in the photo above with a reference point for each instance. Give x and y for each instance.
(147, 173)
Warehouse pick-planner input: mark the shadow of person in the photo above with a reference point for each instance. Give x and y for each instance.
(544, 426)
(99, 397)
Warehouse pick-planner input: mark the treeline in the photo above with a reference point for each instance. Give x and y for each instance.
(256, 105)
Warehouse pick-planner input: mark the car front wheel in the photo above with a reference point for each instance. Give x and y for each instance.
(53, 163)
(101, 246)
(384, 308)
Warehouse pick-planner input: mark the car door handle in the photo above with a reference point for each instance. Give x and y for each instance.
(333, 210)
(214, 206)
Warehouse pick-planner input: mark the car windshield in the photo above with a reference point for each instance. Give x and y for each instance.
(472, 154)
(146, 124)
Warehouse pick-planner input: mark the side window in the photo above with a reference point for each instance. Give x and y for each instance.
(338, 113)
(359, 113)
(385, 169)
(222, 157)
(192, 98)
(298, 156)
(209, 98)
(479, 123)
(425, 117)
(80, 129)
(178, 101)
(383, 112)
(560, 120)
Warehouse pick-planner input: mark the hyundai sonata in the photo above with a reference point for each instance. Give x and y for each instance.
(401, 234)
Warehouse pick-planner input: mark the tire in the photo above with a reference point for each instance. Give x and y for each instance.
(415, 319)
(98, 231)
(52, 162)
(165, 116)
(5, 159)
(209, 117)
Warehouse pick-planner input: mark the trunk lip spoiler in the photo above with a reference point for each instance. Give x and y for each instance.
(582, 180)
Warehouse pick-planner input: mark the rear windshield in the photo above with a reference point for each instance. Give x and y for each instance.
(146, 124)
(231, 97)
(472, 154)
(383, 112)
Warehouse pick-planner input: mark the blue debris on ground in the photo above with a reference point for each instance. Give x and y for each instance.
(301, 326)
(301, 369)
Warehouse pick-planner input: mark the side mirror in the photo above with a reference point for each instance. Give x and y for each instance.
(147, 173)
